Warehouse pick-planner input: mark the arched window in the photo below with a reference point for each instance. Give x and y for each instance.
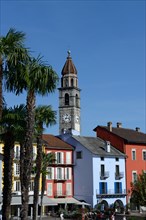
(72, 82)
(66, 99)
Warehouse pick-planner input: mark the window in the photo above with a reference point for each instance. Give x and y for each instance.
(68, 189)
(59, 173)
(79, 154)
(49, 189)
(103, 187)
(133, 154)
(117, 170)
(17, 152)
(144, 154)
(59, 157)
(72, 82)
(17, 185)
(68, 173)
(134, 176)
(17, 169)
(31, 186)
(50, 173)
(102, 170)
(118, 187)
(59, 189)
(117, 159)
(66, 99)
(101, 158)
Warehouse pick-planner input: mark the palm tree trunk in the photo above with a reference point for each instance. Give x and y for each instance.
(42, 192)
(37, 177)
(1, 85)
(8, 170)
(28, 155)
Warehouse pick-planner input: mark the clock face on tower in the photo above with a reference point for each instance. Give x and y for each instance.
(66, 118)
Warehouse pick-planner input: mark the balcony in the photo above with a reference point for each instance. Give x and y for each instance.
(59, 194)
(119, 175)
(56, 179)
(104, 175)
(61, 164)
(110, 193)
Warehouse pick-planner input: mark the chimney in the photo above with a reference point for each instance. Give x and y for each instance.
(119, 125)
(137, 129)
(109, 124)
(108, 146)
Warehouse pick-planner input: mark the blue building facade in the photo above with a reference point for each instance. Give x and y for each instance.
(99, 171)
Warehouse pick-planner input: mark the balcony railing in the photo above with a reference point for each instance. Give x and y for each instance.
(60, 179)
(119, 175)
(104, 175)
(110, 192)
(62, 163)
(60, 194)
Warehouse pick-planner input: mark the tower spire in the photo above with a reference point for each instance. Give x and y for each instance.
(69, 67)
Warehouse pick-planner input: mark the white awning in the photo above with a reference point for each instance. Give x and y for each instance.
(83, 204)
(16, 200)
(70, 200)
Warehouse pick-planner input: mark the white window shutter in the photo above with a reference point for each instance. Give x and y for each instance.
(70, 173)
(62, 173)
(65, 170)
(49, 189)
(68, 189)
(14, 169)
(68, 157)
(62, 157)
(14, 185)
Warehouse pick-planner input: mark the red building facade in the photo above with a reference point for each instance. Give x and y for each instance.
(59, 181)
(132, 143)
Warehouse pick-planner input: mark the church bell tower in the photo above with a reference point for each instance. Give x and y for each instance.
(69, 99)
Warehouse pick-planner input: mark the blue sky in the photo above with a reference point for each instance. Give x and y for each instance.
(107, 43)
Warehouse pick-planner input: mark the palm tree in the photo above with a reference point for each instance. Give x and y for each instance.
(12, 125)
(12, 52)
(36, 78)
(47, 159)
(43, 115)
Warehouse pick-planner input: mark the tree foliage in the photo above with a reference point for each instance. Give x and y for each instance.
(44, 115)
(12, 54)
(47, 160)
(12, 125)
(138, 189)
